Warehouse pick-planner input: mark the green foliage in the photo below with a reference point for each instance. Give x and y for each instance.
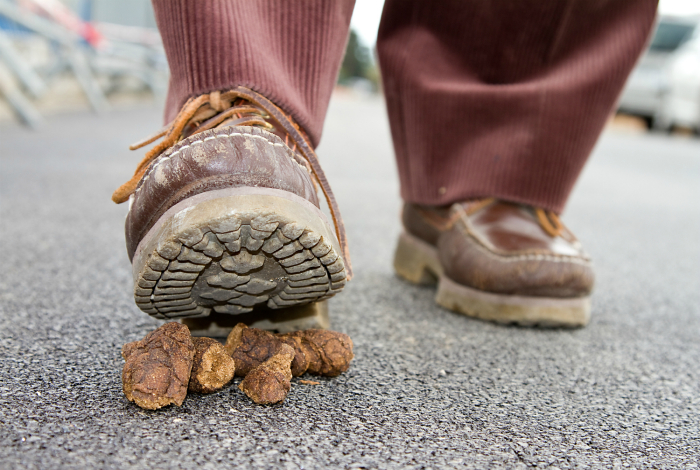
(357, 62)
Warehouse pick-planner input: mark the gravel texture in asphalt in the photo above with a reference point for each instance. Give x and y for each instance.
(428, 388)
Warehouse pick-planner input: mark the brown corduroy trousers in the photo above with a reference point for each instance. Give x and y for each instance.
(485, 98)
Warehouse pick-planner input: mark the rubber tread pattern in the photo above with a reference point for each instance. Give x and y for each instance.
(219, 266)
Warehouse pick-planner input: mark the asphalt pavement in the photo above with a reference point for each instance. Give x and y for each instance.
(428, 388)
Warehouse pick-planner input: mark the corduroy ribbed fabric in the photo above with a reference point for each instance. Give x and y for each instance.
(503, 98)
(289, 51)
(486, 98)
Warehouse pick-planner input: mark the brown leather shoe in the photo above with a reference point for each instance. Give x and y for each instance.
(224, 218)
(497, 261)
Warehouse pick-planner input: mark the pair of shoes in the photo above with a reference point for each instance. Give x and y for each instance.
(497, 261)
(224, 218)
(224, 226)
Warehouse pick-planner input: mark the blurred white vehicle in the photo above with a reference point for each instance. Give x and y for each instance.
(646, 89)
(680, 104)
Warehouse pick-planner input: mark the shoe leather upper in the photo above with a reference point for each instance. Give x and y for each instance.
(224, 157)
(500, 247)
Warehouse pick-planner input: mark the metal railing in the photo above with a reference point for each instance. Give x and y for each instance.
(79, 47)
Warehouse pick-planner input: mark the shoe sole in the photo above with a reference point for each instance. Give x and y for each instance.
(237, 251)
(286, 320)
(417, 262)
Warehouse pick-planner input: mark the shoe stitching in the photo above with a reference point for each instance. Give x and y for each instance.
(191, 144)
(554, 258)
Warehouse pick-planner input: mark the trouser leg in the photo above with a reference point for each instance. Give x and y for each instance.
(288, 51)
(503, 98)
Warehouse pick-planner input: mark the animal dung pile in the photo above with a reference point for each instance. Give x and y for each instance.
(167, 363)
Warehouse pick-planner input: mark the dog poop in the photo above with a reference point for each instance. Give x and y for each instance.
(212, 367)
(320, 352)
(167, 363)
(250, 347)
(270, 381)
(157, 369)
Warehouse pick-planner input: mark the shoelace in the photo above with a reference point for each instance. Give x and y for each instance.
(244, 107)
(549, 221)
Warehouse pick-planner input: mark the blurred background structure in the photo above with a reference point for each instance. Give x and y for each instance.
(664, 89)
(60, 55)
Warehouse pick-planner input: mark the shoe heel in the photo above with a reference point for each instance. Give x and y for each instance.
(281, 321)
(237, 251)
(416, 261)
